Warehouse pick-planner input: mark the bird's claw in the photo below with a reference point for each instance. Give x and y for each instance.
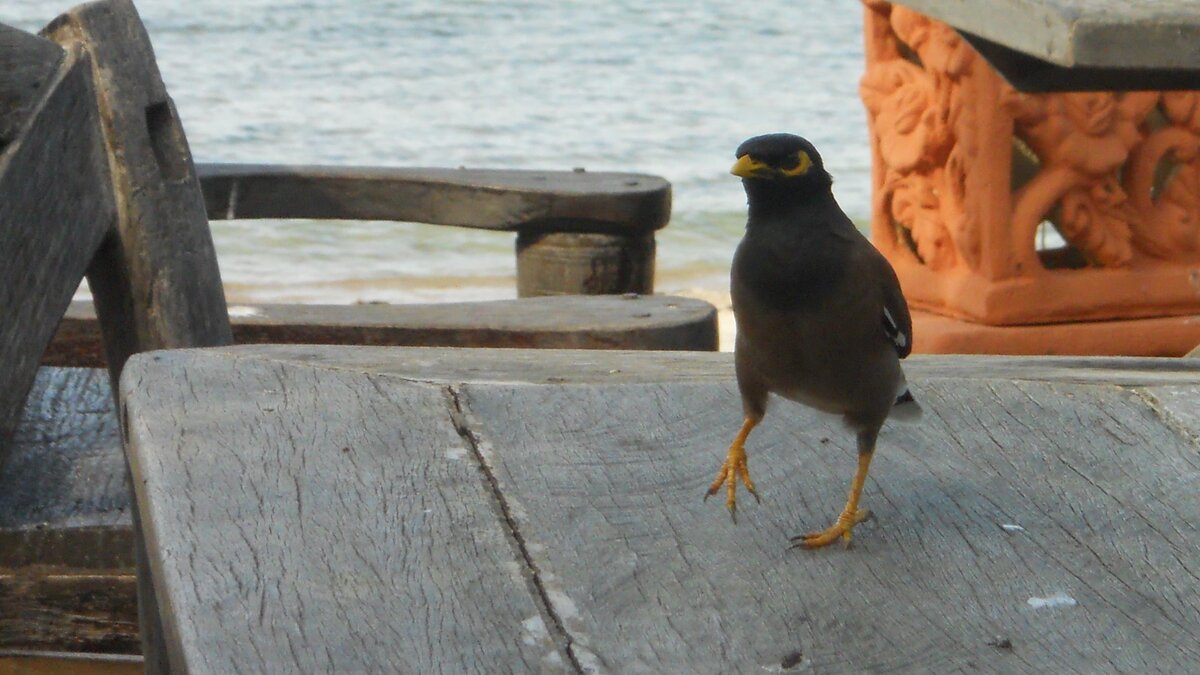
(839, 530)
(733, 470)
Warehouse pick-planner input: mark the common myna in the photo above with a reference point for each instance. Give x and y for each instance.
(820, 316)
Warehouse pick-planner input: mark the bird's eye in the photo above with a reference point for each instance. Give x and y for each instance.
(790, 162)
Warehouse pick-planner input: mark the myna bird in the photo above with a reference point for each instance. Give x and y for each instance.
(820, 316)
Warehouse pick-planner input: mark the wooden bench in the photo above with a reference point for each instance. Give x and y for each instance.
(97, 180)
(578, 232)
(382, 509)
(1080, 45)
(104, 184)
(628, 321)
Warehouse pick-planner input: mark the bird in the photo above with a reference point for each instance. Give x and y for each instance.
(821, 319)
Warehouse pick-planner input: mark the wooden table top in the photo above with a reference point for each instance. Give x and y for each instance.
(429, 510)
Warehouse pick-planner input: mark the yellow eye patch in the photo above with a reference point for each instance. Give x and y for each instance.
(796, 165)
(803, 164)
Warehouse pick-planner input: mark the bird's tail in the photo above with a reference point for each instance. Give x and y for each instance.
(906, 408)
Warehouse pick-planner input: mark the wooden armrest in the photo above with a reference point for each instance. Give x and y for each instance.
(550, 201)
(659, 322)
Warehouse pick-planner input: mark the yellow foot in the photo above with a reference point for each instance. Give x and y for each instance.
(732, 470)
(842, 528)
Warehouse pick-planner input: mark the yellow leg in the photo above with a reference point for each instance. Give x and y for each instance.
(734, 468)
(851, 515)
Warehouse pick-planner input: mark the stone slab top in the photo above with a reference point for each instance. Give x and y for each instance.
(1148, 34)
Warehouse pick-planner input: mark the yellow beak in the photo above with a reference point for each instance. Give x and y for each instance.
(746, 167)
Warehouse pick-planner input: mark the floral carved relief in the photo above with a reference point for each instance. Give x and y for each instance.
(1082, 140)
(1117, 174)
(919, 106)
(1169, 227)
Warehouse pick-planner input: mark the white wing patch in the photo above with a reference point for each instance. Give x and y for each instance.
(893, 330)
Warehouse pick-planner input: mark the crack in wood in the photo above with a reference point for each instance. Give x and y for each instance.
(1165, 415)
(459, 418)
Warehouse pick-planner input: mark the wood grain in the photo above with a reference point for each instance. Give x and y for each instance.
(67, 578)
(572, 263)
(69, 609)
(63, 496)
(492, 199)
(646, 577)
(24, 662)
(27, 64)
(599, 482)
(656, 322)
(451, 366)
(55, 210)
(156, 281)
(303, 522)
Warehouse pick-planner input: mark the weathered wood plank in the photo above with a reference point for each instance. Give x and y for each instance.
(599, 474)
(24, 662)
(67, 579)
(493, 199)
(355, 531)
(156, 283)
(63, 497)
(606, 484)
(54, 211)
(1176, 405)
(67, 609)
(453, 366)
(66, 470)
(27, 64)
(643, 322)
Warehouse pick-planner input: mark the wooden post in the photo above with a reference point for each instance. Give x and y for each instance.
(155, 281)
(565, 263)
(579, 232)
(55, 204)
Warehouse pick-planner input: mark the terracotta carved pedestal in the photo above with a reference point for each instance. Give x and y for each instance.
(1030, 223)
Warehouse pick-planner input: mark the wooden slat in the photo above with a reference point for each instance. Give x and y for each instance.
(63, 497)
(67, 578)
(22, 662)
(452, 366)
(392, 558)
(69, 609)
(493, 199)
(54, 211)
(156, 283)
(599, 475)
(1095, 480)
(66, 470)
(594, 322)
(27, 64)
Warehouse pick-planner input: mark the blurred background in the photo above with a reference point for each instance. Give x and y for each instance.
(668, 88)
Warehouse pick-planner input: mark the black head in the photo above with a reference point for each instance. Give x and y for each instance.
(781, 169)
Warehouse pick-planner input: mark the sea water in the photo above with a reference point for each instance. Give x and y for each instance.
(668, 88)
